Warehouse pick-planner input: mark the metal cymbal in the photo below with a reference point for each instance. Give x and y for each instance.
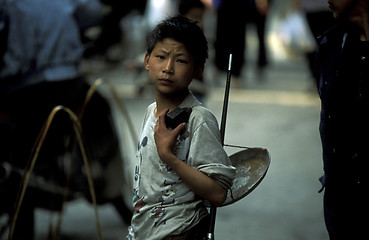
(251, 167)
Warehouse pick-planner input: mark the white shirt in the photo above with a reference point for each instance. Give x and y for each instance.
(163, 204)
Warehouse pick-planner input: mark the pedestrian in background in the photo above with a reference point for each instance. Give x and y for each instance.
(319, 20)
(232, 18)
(39, 70)
(195, 10)
(343, 84)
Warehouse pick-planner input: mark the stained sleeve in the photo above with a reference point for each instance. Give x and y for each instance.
(208, 155)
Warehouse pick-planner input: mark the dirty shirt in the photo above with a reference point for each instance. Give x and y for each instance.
(163, 204)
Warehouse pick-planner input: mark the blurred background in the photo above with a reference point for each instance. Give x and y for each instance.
(53, 52)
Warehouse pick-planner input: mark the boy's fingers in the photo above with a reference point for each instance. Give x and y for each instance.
(179, 128)
(162, 115)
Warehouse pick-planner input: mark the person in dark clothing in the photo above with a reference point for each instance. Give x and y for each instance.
(39, 70)
(232, 18)
(319, 19)
(343, 85)
(195, 10)
(111, 32)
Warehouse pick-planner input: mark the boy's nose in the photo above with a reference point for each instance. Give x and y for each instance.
(168, 67)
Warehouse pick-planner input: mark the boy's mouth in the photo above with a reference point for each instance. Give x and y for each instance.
(165, 80)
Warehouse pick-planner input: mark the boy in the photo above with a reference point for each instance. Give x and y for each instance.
(177, 169)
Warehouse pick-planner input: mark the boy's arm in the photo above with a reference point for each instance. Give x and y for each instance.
(198, 182)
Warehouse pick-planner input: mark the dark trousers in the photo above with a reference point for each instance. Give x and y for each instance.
(232, 18)
(196, 233)
(346, 211)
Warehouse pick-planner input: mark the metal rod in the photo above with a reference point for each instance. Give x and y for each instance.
(225, 103)
(213, 209)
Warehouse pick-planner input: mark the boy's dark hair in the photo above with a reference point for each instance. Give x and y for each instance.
(182, 30)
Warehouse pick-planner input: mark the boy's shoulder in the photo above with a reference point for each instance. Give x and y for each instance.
(202, 111)
(199, 111)
(202, 115)
(199, 114)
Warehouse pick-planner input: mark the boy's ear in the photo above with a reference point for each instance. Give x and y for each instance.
(198, 73)
(146, 61)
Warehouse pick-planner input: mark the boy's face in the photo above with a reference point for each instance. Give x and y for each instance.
(171, 67)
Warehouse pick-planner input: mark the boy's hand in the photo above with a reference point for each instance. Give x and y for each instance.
(165, 139)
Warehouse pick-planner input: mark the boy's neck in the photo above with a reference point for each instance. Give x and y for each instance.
(170, 101)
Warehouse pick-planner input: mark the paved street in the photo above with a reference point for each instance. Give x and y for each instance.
(280, 113)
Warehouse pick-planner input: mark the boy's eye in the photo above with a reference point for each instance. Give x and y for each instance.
(181, 61)
(160, 56)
